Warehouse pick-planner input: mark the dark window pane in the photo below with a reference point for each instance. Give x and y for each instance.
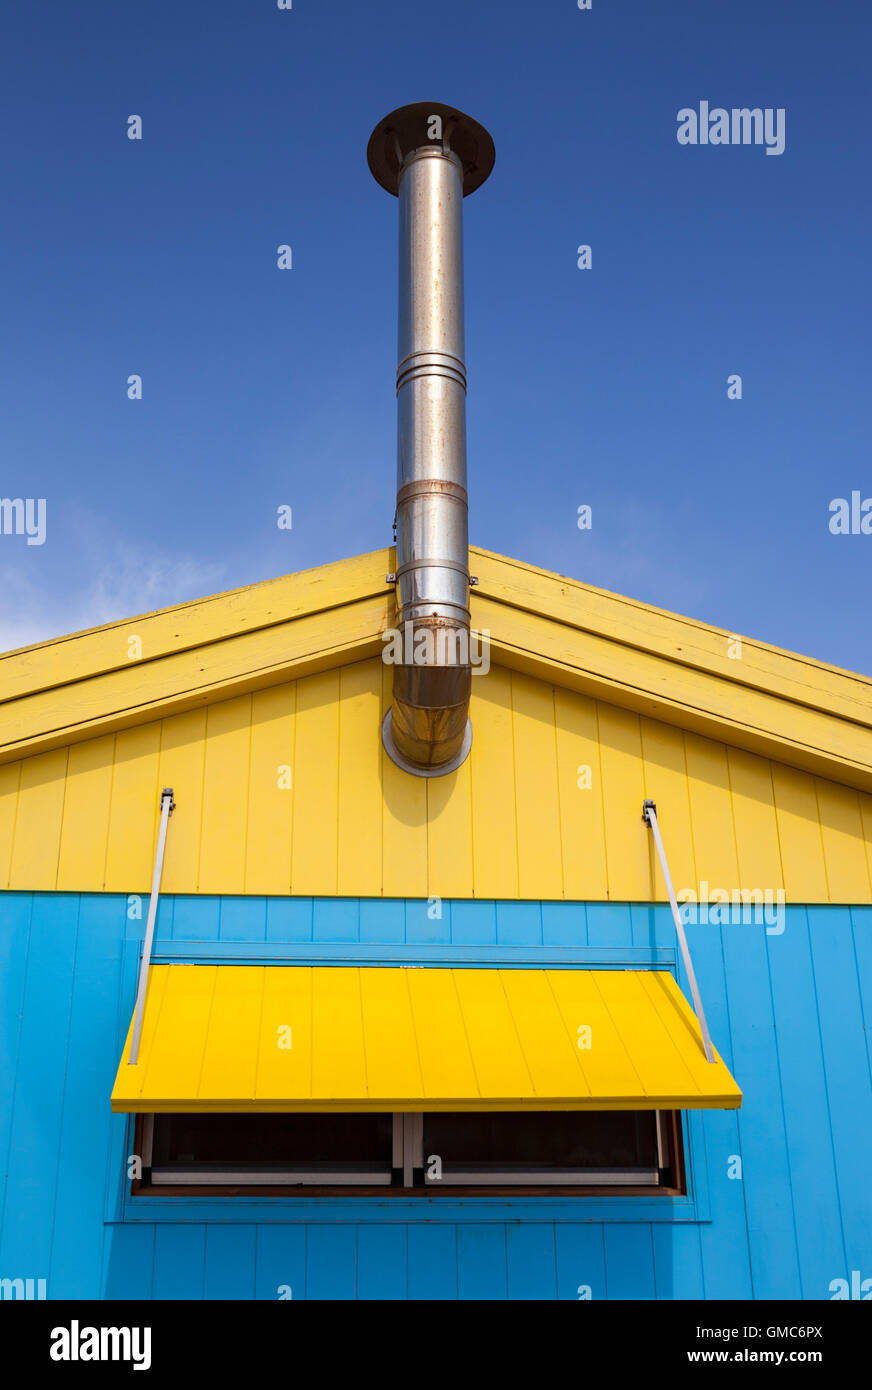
(516, 1150)
(257, 1139)
(544, 1139)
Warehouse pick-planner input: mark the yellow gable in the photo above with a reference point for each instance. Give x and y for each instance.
(288, 790)
(261, 708)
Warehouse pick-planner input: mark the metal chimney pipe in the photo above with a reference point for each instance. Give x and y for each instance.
(431, 156)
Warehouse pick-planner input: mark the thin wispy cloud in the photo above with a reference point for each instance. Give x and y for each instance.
(127, 582)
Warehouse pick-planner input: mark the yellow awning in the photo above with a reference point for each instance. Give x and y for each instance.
(316, 1038)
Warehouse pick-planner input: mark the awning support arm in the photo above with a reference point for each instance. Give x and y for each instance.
(649, 816)
(166, 808)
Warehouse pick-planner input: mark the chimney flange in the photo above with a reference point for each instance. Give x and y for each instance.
(405, 130)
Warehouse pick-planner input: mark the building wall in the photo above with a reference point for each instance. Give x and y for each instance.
(789, 1011)
(513, 822)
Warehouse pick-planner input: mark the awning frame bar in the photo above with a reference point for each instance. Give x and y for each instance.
(167, 806)
(649, 816)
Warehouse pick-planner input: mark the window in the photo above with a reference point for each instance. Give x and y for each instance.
(582, 1152)
(559, 1147)
(257, 1150)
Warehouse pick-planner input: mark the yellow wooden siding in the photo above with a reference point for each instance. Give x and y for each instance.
(85, 823)
(130, 852)
(519, 820)
(359, 820)
(580, 806)
(552, 629)
(270, 798)
(492, 776)
(10, 776)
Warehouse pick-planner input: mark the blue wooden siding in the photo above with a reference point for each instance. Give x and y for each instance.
(789, 1012)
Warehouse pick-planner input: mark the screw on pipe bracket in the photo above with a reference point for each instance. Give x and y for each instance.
(430, 123)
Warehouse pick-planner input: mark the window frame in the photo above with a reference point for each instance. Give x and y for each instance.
(408, 1160)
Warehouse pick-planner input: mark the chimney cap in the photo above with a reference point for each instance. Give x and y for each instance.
(406, 129)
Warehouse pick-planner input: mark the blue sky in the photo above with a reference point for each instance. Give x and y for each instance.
(606, 387)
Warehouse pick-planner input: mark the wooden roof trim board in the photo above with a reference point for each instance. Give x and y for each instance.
(190, 678)
(188, 626)
(673, 636)
(772, 702)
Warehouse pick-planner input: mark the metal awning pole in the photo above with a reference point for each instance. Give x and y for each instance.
(649, 816)
(166, 807)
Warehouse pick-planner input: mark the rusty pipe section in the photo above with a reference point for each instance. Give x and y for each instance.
(430, 156)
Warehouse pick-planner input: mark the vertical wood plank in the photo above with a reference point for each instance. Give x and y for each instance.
(32, 1175)
(241, 919)
(711, 813)
(756, 824)
(381, 1262)
(449, 834)
(677, 1261)
(580, 1261)
(861, 921)
(38, 822)
(179, 1261)
(492, 787)
(799, 834)
(271, 790)
(609, 924)
(281, 1262)
(289, 919)
(182, 753)
(473, 924)
(519, 924)
(803, 1082)
(84, 1136)
(331, 1262)
(666, 783)
(133, 813)
(724, 1240)
(382, 920)
(432, 1261)
(316, 785)
(193, 918)
(845, 861)
(531, 1260)
(763, 1139)
(846, 1060)
(481, 1261)
(564, 924)
(628, 852)
(540, 862)
(85, 826)
(15, 921)
(128, 1262)
(10, 775)
(335, 919)
(225, 797)
(579, 787)
(866, 821)
(629, 1260)
(404, 823)
(430, 922)
(360, 815)
(229, 1270)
